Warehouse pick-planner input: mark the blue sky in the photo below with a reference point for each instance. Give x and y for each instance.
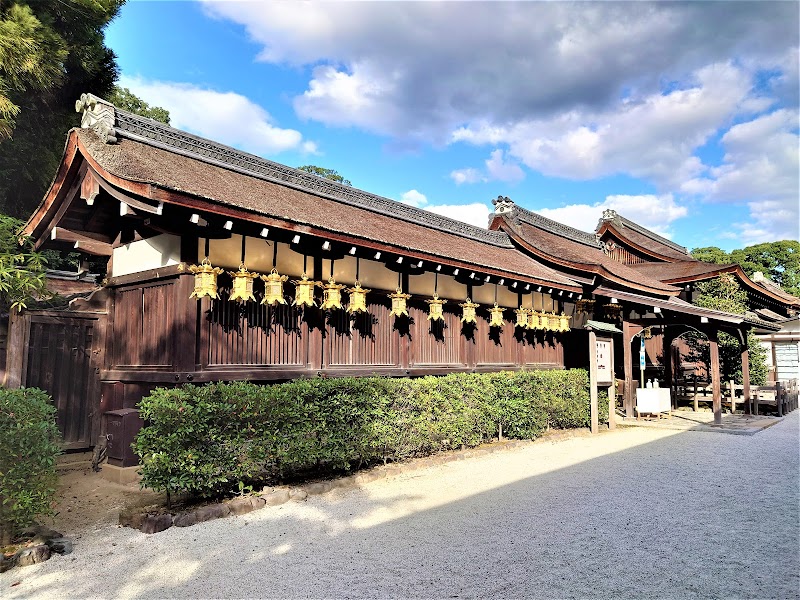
(682, 117)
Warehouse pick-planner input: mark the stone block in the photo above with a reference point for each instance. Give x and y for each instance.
(33, 555)
(276, 497)
(156, 523)
(297, 494)
(318, 487)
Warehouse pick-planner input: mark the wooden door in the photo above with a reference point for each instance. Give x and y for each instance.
(61, 359)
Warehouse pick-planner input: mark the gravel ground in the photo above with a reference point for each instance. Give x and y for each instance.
(635, 513)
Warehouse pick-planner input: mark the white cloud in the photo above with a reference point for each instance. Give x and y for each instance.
(656, 213)
(413, 198)
(475, 214)
(470, 175)
(761, 168)
(501, 170)
(225, 117)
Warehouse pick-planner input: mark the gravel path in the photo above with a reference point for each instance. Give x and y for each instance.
(635, 513)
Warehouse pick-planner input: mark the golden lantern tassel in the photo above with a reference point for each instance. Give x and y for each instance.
(468, 314)
(358, 298)
(273, 288)
(205, 279)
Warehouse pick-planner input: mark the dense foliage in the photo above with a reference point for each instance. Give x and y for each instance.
(211, 439)
(22, 270)
(28, 451)
(331, 174)
(124, 99)
(50, 53)
(779, 261)
(725, 294)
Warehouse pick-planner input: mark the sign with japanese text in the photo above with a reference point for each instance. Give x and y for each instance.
(604, 353)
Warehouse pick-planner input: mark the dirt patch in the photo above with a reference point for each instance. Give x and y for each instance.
(86, 501)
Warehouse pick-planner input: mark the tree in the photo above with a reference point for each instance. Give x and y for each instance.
(64, 37)
(22, 270)
(325, 173)
(124, 99)
(725, 294)
(778, 261)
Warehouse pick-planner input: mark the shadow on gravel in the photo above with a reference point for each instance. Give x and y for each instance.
(704, 516)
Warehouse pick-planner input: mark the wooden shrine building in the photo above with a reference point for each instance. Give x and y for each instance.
(223, 265)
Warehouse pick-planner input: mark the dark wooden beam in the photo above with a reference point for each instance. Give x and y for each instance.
(94, 247)
(61, 234)
(628, 368)
(716, 387)
(746, 376)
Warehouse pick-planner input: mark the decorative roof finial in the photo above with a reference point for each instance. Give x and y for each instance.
(98, 115)
(503, 204)
(609, 214)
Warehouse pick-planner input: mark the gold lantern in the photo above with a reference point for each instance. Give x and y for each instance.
(205, 280)
(563, 322)
(647, 333)
(435, 311)
(331, 294)
(273, 288)
(584, 306)
(552, 321)
(242, 284)
(612, 310)
(496, 318)
(468, 313)
(358, 298)
(534, 320)
(304, 291)
(399, 303)
(523, 317)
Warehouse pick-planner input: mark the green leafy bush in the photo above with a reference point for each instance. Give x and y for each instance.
(212, 439)
(28, 449)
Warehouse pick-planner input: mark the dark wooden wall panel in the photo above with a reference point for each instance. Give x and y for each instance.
(436, 342)
(539, 347)
(144, 325)
(255, 334)
(495, 346)
(362, 339)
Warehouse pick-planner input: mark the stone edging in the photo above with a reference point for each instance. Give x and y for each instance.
(152, 522)
(44, 542)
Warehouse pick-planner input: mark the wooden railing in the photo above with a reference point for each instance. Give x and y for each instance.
(783, 395)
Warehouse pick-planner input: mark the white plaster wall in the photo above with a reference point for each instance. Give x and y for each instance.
(155, 252)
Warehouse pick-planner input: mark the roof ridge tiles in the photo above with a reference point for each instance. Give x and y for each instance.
(168, 138)
(614, 217)
(571, 233)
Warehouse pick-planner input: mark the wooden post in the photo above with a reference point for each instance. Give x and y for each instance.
(628, 368)
(696, 407)
(746, 378)
(16, 348)
(732, 390)
(593, 409)
(612, 404)
(716, 390)
(778, 398)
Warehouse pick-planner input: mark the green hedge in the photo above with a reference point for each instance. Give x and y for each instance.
(210, 439)
(28, 450)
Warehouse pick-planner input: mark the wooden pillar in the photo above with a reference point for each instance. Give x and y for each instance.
(593, 408)
(16, 349)
(316, 334)
(668, 367)
(732, 390)
(716, 387)
(628, 369)
(746, 377)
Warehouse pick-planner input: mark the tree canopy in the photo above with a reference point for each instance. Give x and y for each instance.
(325, 173)
(22, 277)
(50, 53)
(779, 261)
(124, 99)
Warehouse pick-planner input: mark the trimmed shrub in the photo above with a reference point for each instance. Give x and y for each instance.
(28, 450)
(212, 439)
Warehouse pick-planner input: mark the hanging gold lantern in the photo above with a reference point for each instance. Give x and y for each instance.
(534, 320)
(584, 306)
(553, 323)
(273, 288)
(496, 318)
(612, 310)
(468, 314)
(647, 333)
(304, 291)
(563, 322)
(205, 280)
(358, 298)
(331, 294)
(435, 311)
(242, 284)
(399, 303)
(523, 317)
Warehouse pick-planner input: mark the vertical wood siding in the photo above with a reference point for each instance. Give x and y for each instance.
(144, 326)
(362, 339)
(436, 342)
(255, 334)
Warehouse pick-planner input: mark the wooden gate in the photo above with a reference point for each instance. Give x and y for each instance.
(58, 352)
